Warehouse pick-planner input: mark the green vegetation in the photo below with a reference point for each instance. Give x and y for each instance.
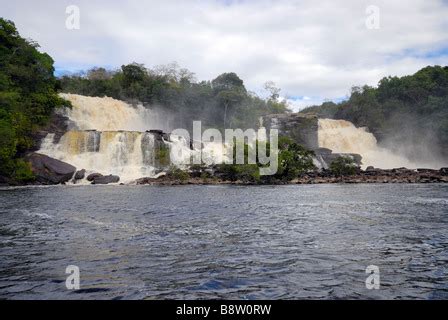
(221, 103)
(343, 166)
(162, 155)
(27, 99)
(246, 173)
(200, 171)
(409, 111)
(177, 174)
(293, 160)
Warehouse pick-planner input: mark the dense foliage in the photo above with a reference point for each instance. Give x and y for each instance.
(343, 166)
(409, 111)
(221, 103)
(293, 160)
(27, 98)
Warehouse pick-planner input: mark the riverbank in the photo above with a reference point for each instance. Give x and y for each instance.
(399, 175)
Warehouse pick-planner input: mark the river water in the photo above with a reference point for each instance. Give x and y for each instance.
(233, 242)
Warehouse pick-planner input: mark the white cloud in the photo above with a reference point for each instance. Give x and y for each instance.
(309, 49)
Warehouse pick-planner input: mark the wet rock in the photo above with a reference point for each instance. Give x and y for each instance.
(424, 170)
(144, 180)
(302, 128)
(58, 124)
(328, 156)
(444, 171)
(49, 170)
(92, 176)
(106, 179)
(370, 168)
(159, 135)
(5, 181)
(79, 175)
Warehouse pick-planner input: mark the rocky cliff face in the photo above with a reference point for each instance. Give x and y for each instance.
(302, 128)
(58, 125)
(326, 156)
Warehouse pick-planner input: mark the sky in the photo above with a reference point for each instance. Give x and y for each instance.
(314, 51)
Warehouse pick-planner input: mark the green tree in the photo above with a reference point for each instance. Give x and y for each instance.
(27, 98)
(230, 91)
(293, 159)
(343, 166)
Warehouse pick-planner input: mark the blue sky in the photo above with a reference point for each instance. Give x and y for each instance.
(314, 51)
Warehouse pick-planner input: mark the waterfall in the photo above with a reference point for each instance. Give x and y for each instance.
(107, 114)
(343, 137)
(128, 154)
(109, 136)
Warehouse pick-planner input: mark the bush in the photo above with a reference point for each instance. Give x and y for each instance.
(197, 170)
(178, 174)
(162, 156)
(293, 159)
(23, 172)
(343, 166)
(7, 147)
(248, 173)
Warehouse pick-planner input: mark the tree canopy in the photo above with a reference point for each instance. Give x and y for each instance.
(223, 102)
(27, 98)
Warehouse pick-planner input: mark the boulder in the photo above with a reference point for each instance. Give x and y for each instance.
(444, 171)
(159, 135)
(4, 181)
(79, 175)
(106, 179)
(92, 176)
(49, 170)
(425, 170)
(144, 180)
(329, 157)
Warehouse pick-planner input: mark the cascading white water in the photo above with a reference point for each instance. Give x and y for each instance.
(343, 137)
(128, 154)
(108, 136)
(108, 114)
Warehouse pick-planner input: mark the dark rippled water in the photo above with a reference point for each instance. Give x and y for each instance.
(282, 242)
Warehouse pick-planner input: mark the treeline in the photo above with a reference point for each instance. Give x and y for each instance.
(407, 113)
(221, 103)
(27, 99)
